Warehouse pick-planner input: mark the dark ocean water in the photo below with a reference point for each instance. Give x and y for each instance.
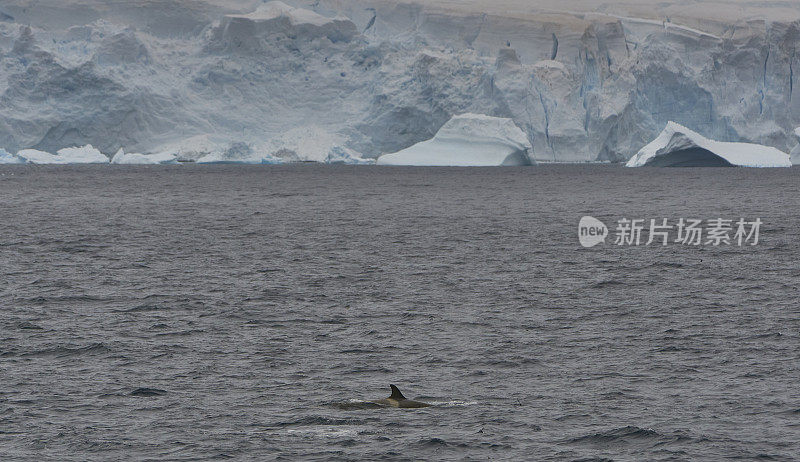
(202, 313)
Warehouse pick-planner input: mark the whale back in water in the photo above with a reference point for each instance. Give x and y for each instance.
(398, 400)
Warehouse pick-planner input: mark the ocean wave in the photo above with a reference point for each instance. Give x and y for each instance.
(452, 403)
(666, 264)
(358, 404)
(64, 351)
(433, 443)
(318, 420)
(148, 392)
(329, 431)
(140, 308)
(64, 299)
(622, 435)
(606, 283)
(355, 405)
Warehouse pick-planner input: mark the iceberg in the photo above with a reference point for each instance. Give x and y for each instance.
(312, 143)
(342, 155)
(677, 146)
(468, 140)
(75, 155)
(238, 153)
(300, 144)
(121, 157)
(33, 156)
(8, 158)
(82, 155)
(191, 149)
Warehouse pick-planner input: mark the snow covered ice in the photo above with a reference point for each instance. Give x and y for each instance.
(468, 140)
(677, 146)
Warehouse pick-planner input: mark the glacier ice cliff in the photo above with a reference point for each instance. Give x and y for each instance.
(584, 80)
(468, 140)
(677, 146)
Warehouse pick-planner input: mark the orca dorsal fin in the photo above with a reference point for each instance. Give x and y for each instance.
(396, 393)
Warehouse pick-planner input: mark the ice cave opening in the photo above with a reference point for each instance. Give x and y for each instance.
(691, 157)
